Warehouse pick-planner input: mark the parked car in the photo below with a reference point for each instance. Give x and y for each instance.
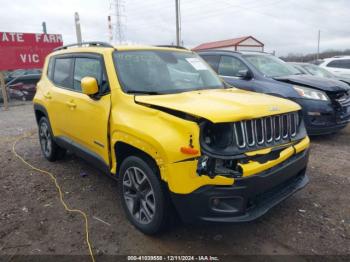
(310, 69)
(338, 65)
(22, 91)
(30, 76)
(325, 102)
(22, 83)
(162, 122)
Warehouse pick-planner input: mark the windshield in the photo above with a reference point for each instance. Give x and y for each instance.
(271, 66)
(161, 72)
(317, 71)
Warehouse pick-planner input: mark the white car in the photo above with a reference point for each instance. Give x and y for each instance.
(338, 65)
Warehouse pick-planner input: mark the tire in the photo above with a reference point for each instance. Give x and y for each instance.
(142, 195)
(49, 148)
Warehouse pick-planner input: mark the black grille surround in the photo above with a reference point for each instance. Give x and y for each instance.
(230, 140)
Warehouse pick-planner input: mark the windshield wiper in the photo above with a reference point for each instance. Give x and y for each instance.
(143, 92)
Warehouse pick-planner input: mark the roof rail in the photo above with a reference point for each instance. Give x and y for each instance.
(172, 46)
(97, 44)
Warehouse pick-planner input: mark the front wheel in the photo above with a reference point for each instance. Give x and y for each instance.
(142, 194)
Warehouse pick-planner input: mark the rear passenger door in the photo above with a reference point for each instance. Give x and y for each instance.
(84, 120)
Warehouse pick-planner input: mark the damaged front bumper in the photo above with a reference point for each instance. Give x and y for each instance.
(240, 198)
(248, 198)
(324, 117)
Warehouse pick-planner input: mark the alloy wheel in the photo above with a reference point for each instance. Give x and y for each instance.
(45, 139)
(139, 195)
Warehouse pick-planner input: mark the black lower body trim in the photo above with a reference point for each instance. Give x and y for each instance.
(84, 153)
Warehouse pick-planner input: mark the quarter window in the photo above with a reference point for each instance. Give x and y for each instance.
(230, 66)
(50, 68)
(62, 74)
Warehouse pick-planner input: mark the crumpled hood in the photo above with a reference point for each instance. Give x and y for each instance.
(221, 105)
(320, 83)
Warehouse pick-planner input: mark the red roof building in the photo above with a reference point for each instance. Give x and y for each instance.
(235, 44)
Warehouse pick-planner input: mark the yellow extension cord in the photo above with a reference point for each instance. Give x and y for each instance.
(58, 189)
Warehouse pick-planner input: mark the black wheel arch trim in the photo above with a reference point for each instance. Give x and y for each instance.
(41, 109)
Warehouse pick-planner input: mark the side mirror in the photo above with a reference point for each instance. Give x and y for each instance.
(89, 85)
(245, 74)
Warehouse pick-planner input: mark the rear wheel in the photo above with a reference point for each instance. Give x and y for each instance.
(142, 194)
(49, 148)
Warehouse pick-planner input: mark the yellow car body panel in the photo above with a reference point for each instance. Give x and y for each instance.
(222, 105)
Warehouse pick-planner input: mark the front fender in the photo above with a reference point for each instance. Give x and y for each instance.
(158, 134)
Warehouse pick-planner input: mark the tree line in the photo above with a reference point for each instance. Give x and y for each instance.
(298, 57)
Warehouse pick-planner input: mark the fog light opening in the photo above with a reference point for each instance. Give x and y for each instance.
(314, 113)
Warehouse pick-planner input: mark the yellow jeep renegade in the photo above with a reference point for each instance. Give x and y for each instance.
(162, 122)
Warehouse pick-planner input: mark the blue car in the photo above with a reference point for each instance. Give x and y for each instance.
(325, 102)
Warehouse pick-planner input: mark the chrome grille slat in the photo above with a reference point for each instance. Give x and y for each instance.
(285, 126)
(243, 144)
(261, 130)
(266, 130)
(268, 125)
(279, 126)
(250, 136)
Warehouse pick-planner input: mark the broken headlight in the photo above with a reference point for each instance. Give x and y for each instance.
(218, 135)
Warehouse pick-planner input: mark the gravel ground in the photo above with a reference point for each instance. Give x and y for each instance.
(316, 220)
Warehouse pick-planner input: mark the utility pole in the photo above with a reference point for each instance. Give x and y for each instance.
(178, 26)
(77, 27)
(318, 44)
(44, 28)
(110, 30)
(3, 90)
(117, 20)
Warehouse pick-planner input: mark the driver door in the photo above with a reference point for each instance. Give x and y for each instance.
(87, 117)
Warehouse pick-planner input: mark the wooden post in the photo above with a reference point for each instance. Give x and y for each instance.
(3, 90)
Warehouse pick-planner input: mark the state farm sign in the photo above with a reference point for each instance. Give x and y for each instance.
(25, 51)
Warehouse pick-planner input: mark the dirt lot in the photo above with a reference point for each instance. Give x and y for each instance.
(32, 221)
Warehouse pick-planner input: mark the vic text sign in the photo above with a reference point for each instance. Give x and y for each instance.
(25, 51)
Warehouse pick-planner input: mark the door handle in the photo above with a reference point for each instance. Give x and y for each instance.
(47, 95)
(71, 104)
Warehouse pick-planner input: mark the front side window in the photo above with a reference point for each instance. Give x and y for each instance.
(161, 72)
(212, 60)
(231, 66)
(271, 66)
(335, 63)
(62, 73)
(86, 67)
(341, 63)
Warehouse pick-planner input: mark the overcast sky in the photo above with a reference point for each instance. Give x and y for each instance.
(287, 26)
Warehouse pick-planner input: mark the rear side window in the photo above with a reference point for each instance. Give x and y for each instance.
(343, 63)
(212, 60)
(86, 67)
(62, 72)
(230, 66)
